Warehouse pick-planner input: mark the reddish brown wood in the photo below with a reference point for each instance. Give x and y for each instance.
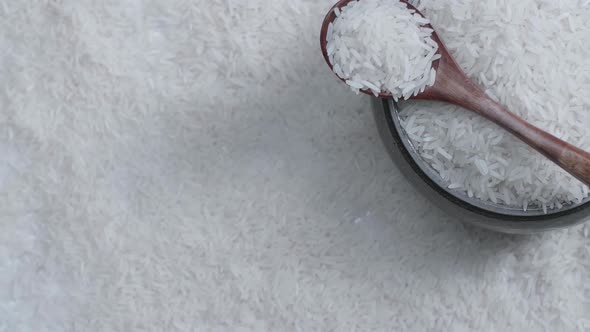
(453, 86)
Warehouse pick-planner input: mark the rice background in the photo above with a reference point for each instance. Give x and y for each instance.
(177, 165)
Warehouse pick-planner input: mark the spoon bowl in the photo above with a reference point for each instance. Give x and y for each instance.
(453, 86)
(331, 17)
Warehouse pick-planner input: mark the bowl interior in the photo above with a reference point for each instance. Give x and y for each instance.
(460, 197)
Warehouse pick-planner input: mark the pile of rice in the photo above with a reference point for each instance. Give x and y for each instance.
(381, 45)
(533, 57)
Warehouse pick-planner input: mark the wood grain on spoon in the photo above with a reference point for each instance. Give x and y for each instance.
(453, 86)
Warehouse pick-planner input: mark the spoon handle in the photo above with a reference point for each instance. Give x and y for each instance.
(572, 159)
(453, 86)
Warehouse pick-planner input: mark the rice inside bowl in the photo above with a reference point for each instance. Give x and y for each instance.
(531, 56)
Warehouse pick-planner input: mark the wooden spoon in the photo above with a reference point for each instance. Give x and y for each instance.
(453, 86)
